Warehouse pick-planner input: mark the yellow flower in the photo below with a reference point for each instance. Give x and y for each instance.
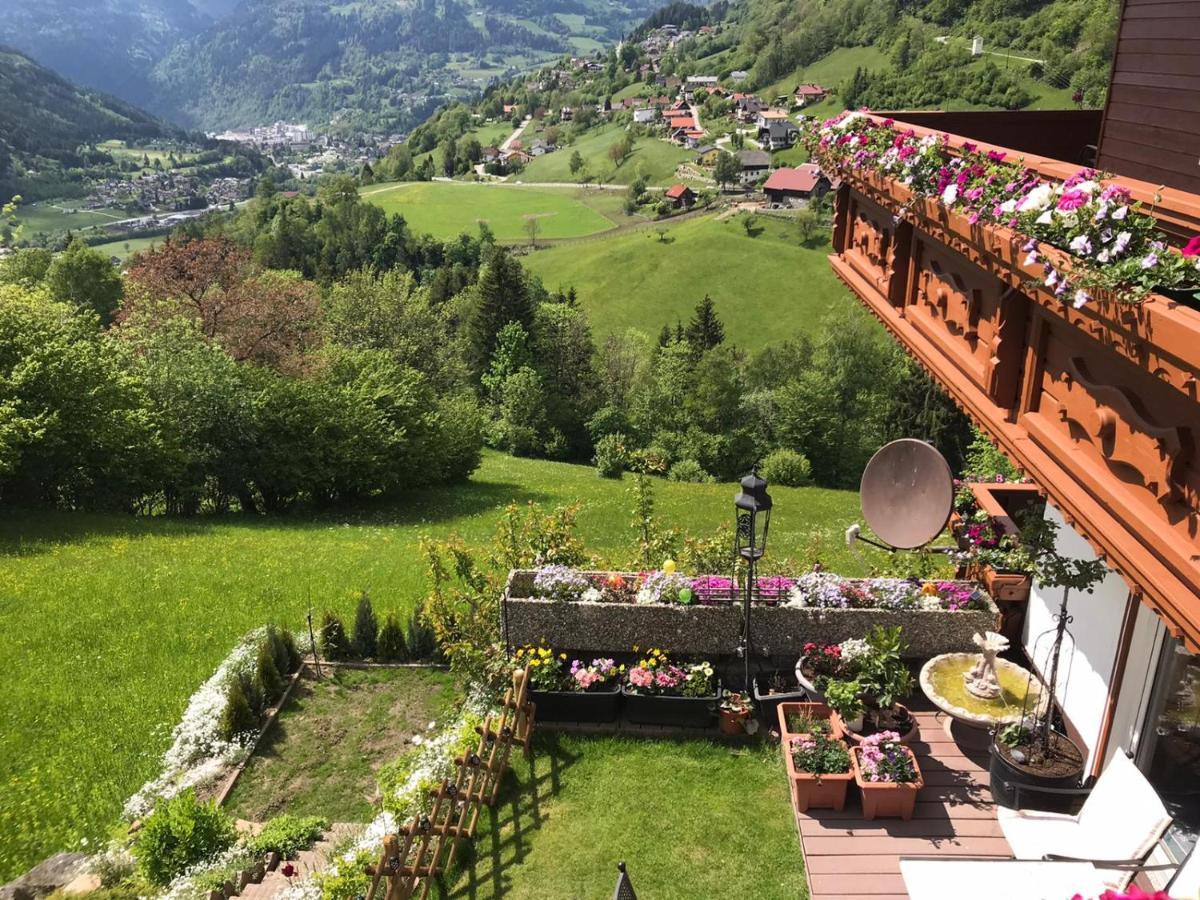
(543, 653)
(562, 656)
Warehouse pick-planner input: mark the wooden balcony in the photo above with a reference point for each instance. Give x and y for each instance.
(1098, 405)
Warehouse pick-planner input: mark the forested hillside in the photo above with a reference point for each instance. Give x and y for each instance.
(919, 49)
(46, 122)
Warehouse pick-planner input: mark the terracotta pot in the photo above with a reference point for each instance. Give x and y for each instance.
(733, 721)
(886, 799)
(816, 791)
(840, 730)
(813, 710)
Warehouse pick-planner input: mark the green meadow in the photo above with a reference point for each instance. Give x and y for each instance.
(445, 209)
(765, 286)
(111, 622)
(51, 217)
(652, 158)
(123, 249)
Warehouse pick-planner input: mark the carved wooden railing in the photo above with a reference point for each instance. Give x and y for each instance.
(424, 847)
(1098, 405)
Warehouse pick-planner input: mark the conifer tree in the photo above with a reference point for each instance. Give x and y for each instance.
(705, 330)
(392, 646)
(237, 717)
(334, 644)
(501, 296)
(366, 629)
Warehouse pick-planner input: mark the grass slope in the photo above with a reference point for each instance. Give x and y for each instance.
(764, 287)
(446, 209)
(653, 158)
(690, 819)
(108, 623)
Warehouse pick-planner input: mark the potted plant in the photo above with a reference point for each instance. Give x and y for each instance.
(845, 702)
(1033, 754)
(735, 713)
(821, 662)
(660, 692)
(773, 688)
(883, 680)
(819, 771)
(887, 773)
(799, 719)
(574, 692)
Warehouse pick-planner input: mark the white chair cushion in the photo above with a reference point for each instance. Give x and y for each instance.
(1122, 817)
(955, 879)
(1186, 883)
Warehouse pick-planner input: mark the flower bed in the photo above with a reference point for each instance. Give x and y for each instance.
(821, 608)
(574, 691)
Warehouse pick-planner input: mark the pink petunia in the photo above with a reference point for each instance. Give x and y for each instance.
(1193, 247)
(1072, 200)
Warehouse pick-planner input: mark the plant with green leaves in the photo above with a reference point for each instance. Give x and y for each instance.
(844, 698)
(884, 676)
(287, 835)
(181, 832)
(392, 646)
(366, 629)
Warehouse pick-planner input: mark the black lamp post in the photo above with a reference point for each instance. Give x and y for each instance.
(752, 506)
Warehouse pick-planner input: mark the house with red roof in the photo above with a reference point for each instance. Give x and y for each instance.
(809, 93)
(791, 187)
(681, 196)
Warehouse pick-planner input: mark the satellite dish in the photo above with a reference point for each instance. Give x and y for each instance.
(907, 493)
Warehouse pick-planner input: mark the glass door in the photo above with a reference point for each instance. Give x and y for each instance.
(1169, 751)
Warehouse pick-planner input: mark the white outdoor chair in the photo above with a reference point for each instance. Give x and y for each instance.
(1122, 819)
(952, 878)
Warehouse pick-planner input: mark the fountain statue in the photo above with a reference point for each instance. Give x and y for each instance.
(981, 680)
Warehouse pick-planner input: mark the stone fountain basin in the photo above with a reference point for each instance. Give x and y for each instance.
(1005, 710)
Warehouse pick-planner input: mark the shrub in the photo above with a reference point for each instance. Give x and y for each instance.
(366, 628)
(288, 641)
(420, 639)
(690, 471)
(392, 646)
(334, 644)
(239, 716)
(787, 467)
(181, 832)
(268, 683)
(274, 641)
(287, 835)
(612, 456)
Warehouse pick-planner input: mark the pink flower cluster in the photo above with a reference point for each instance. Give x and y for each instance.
(883, 758)
(587, 677)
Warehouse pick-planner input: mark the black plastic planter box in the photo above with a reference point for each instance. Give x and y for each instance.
(768, 704)
(678, 712)
(578, 706)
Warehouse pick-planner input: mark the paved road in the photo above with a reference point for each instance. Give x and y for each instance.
(516, 134)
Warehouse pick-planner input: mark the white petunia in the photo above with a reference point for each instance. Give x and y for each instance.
(950, 194)
(1038, 198)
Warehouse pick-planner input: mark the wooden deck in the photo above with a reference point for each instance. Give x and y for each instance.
(849, 858)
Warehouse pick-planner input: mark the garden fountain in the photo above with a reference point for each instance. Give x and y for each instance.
(981, 690)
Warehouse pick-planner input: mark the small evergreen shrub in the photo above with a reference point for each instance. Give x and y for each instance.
(268, 683)
(420, 639)
(366, 629)
(279, 654)
(392, 646)
(334, 644)
(294, 657)
(611, 456)
(239, 716)
(181, 832)
(787, 467)
(287, 835)
(690, 471)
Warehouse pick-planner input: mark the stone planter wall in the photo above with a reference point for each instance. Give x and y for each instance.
(776, 631)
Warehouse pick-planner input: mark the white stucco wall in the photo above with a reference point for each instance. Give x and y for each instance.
(1084, 671)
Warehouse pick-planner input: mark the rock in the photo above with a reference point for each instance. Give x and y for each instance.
(45, 878)
(85, 883)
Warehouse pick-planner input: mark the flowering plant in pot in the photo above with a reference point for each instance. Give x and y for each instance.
(819, 770)
(821, 662)
(560, 583)
(578, 692)
(735, 712)
(887, 773)
(666, 587)
(659, 691)
(884, 680)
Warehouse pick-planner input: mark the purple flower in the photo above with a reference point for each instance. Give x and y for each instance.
(1030, 245)
(1082, 298)
(1121, 244)
(1150, 260)
(1081, 245)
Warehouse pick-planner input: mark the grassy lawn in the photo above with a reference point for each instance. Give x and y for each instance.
(652, 158)
(49, 217)
(690, 819)
(126, 248)
(634, 280)
(830, 71)
(321, 756)
(445, 210)
(110, 622)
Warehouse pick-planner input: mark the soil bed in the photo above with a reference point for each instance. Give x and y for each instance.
(1063, 760)
(322, 755)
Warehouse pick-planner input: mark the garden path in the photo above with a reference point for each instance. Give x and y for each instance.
(850, 858)
(305, 864)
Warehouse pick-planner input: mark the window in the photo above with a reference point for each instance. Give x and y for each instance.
(1170, 747)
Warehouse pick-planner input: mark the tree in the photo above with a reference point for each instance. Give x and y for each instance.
(10, 228)
(620, 149)
(532, 226)
(26, 267)
(576, 162)
(749, 220)
(449, 158)
(705, 331)
(727, 170)
(85, 279)
(807, 222)
(366, 628)
(501, 295)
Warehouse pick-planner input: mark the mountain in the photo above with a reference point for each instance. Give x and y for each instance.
(381, 65)
(45, 121)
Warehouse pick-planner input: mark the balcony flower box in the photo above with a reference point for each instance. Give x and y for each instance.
(671, 711)
(886, 798)
(826, 790)
(595, 706)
